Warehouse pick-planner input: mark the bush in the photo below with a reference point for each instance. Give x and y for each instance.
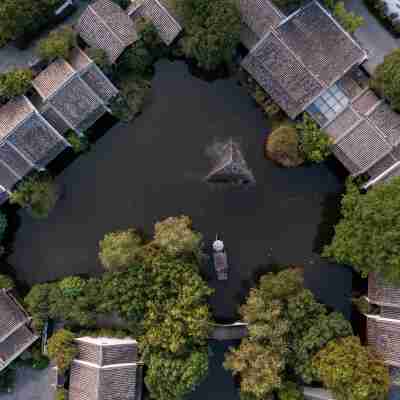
(37, 304)
(79, 144)
(290, 392)
(282, 146)
(61, 394)
(212, 31)
(39, 361)
(6, 282)
(62, 349)
(387, 77)
(349, 20)
(58, 43)
(119, 249)
(38, 193)
(131, 100)
(72, 286)
(15, 83)
(100, 57)
(314, 143)
(151, 39)
(136, 60)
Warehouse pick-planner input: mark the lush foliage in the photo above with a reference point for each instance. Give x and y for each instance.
(170, 378)
(61, 394)
(387, 77)
(212, 31)
(119, 249)
(6, 282)
(314, 143)
(100, 57)
(282, 146)
(349, 20)
(290, 392)
(62, 349)
(136, 60)
(39, 361)
(37, 193)
(368, 235)
(79, 144)
(58, 43)
(37, 304)
(287, 327)
(351, 371)
(175, 236)
(21, 16)
(15, 83)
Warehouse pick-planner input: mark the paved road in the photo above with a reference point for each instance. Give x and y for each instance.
(372, 36)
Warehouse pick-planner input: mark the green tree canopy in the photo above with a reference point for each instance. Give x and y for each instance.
(368, 235)
(6, 282)
(100, 57)
(37, 303)
(119, 249)
(212, 31)
(58, 43)
(170, 378)
(62, 349)
(386, 79)
(15, 83)
(351, 371)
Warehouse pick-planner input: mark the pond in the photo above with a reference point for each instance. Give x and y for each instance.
(141, 172)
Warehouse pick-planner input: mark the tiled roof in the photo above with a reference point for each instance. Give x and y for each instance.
(14, 160)
(54, 119)
(366, 102)
(163, 20)
(13, 113)
(260, 16)
(383, 293)
(79, 60)
(105, 369)
(342, 123)
(106, 26)
(301, 57)
(50, 80)
(388, 121)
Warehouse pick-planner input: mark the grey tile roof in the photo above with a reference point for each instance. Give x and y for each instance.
(79, 60)
(301, 57)
(105, 369)
(166, 24)
(283, 77)
(260, 16)
(13, 113)
(12, 158)
(106, 26)
(366, 102)
(54, 119)
(388, 121)
(8, 178)
(342, 123)
(383, 293)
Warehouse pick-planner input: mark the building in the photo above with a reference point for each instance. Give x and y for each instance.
(15, 332)
(73, 95)
(27, 141)
(160, 14)
(106, 26)
(308, 63)
(106, 369)
(383, 320)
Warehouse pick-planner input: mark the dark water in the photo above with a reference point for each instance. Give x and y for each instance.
(153, 168)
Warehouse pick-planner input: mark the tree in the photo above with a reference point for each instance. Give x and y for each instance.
(368, 235)
(79, 144)
(119, 249)
(175, 236)
(136, 60)
(6, 282)
(290, 391)
(15, 82)
(314, 143)
(100, 57)
(259, 367)
(37, 193)
(170, 378)
(212, 31)
(72, 286)
(349, 20)
(351, 371)
(23, 16)
(58, 44)
(282, 146)
(386, 79)
(37, 303)
(62, 349)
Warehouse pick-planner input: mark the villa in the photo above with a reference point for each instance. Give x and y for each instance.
(106, 368)
(15, 332)
(308, 63)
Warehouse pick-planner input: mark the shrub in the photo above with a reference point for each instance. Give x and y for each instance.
(100, 57)
(119, 249)
(15, 83)
(212, 31)
(37, 193)
(62, 349)
(290, 391)
(136, 60)
(175, 236)
(314, 143)
(79, 144)
(131, 100)
(72, 286)
(39, 361)
(151, 39)
(37, 302)
(61, 394)
(349, 20)
(282, 146)
(6, 282)
(58, 43)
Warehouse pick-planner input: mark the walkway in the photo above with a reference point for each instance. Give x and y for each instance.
(372, 36)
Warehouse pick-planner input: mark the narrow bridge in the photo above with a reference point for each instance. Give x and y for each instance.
(238, 330)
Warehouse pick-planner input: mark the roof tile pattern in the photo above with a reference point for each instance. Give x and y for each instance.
(366, 102)
(55, 120)
(381, 292)
(11, 157)
(388, 121)
(343, 123)
(260, 16)
(13, 113)
(8, 178)
(106, 26)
